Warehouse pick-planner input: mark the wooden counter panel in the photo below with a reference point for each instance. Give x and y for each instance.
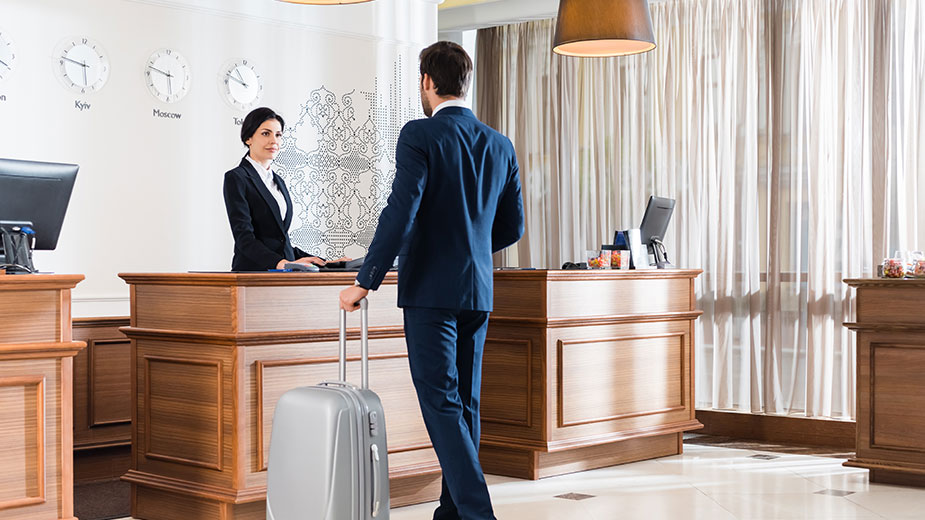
(507, 381)
(607, 379)
(30, 316)
(102, 384)
(36, 480)
(649, 385)
(897, 411)
(891, 303)
(184, 415)
(390, 378)
(109, 387)
(171, 307)
(518, 297)
(272, 370)
(609, 297)
(22, 440)
(312, 307)
(183, 411)
(514, 382)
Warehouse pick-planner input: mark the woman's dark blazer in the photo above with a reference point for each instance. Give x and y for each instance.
(261, 237)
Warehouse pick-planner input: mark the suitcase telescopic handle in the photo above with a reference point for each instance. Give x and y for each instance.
(364, 343)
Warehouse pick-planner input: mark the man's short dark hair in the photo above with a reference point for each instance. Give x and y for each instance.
(255, 118)
(449, 67)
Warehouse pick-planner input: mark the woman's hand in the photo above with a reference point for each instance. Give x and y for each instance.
(310, 260)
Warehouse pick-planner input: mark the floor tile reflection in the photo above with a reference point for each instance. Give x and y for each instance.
(707, 482)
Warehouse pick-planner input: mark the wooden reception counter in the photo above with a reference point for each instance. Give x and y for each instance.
(212, 353)
(36, 356)
(582, 369)
(586, 369)
(890, 328)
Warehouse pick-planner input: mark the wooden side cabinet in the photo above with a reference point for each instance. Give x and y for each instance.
(890, 330)
(102, 384)
(36, 437)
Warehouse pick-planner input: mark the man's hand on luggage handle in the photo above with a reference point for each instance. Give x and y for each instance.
(351, 296)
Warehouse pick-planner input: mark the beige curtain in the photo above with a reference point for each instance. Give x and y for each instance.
(783, 128)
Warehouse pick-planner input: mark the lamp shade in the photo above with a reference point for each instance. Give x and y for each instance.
(598, 28)
(325, 2)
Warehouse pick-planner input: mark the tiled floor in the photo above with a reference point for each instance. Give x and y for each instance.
(706, 482)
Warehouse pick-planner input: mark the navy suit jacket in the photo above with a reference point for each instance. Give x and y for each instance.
(261, 237)
(455, 200)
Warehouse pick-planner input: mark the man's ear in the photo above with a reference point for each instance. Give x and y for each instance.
(427, 83)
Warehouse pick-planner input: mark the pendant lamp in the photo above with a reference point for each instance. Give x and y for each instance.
(599, 28)
(325, 2)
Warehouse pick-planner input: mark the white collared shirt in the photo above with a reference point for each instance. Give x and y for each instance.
(266, 175)
(448, 103)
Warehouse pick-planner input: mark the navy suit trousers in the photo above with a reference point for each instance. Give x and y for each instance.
(445, 353)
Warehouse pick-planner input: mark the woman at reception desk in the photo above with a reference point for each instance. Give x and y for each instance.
(258, 203)
(582, 369)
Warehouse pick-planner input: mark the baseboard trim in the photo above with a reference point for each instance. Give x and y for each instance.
(801, 431)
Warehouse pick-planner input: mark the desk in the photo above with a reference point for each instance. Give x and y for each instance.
(586, 369)
(36, 421)
(212, 353)
(582, 369)
(890, 328)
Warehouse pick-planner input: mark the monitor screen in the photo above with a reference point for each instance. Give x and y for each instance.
(36, 192)
(655, 219)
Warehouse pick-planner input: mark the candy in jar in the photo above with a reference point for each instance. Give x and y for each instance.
(893, 268)
(918, 269)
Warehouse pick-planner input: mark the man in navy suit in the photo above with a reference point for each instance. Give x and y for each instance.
(455, 200)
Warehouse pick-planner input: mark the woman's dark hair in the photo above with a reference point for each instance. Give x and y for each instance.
(449, 67)
(256, 118)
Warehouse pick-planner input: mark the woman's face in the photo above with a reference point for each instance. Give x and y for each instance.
(264, 144)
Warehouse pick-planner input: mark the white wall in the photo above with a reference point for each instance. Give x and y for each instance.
(149, 193)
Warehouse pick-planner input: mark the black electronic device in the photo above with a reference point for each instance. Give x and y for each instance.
(36, 193)
(347, 265)
(654, 226)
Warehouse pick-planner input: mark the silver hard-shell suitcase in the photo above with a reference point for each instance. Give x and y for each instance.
(328, 458)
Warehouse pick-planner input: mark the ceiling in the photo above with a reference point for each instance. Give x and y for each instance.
(461, 15)
(450, 4)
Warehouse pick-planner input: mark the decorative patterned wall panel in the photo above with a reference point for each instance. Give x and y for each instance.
(338, 161)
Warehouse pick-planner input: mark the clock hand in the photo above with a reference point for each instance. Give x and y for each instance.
(159, 70)
(239, 81)
(86, 83)
(169, 85)
(84, 65)
(238, 72)
(4, 64)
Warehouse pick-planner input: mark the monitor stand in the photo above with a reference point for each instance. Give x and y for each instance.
(661, 255)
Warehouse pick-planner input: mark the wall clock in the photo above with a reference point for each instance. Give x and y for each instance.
(81, 65)
(241, 85)
(7, 56)
(168, 75)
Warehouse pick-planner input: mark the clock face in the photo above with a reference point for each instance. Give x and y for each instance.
(81, 65)
(167, 75)
(241, 84)
(7, 56)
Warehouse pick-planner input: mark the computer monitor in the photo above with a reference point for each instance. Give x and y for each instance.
(36, 192)
(655, 220)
